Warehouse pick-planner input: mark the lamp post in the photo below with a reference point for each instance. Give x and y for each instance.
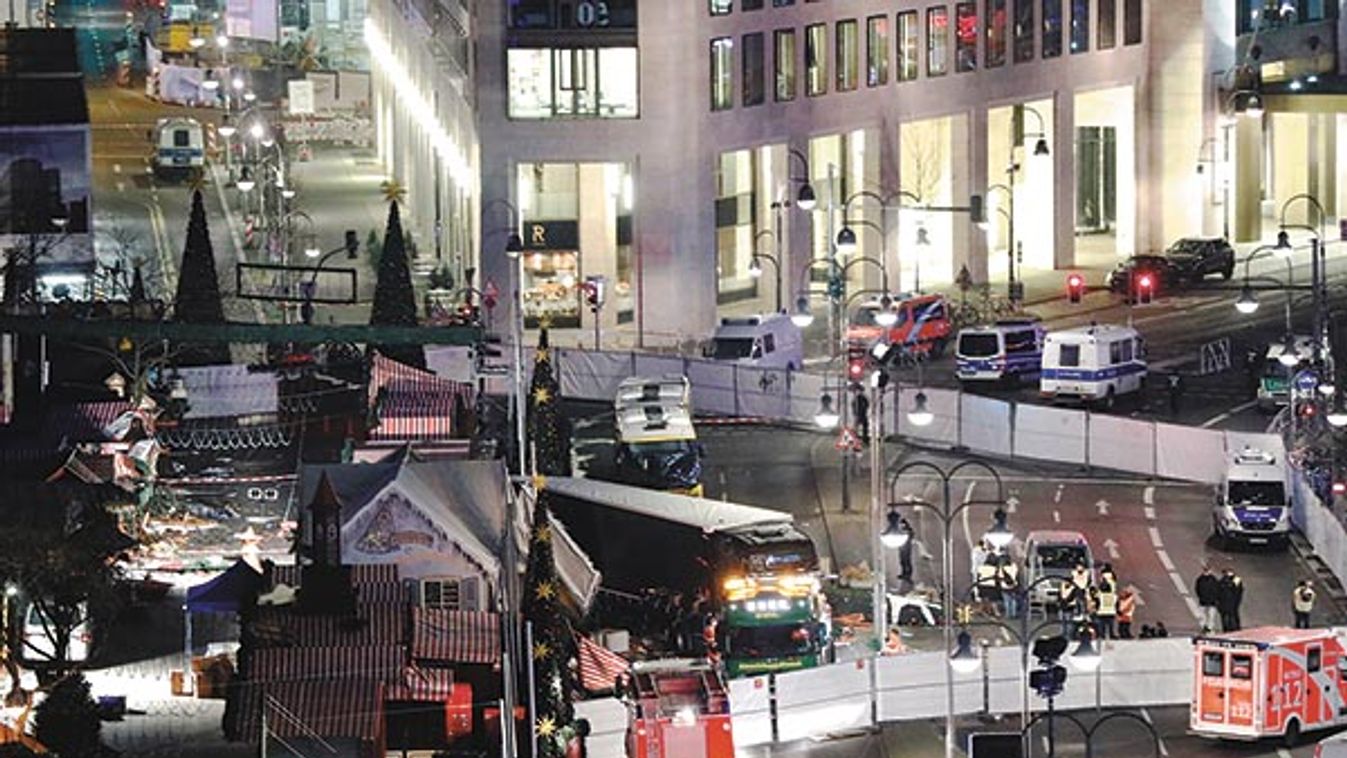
(755, 269)
(350, 246)
(946, 512)
(1317, 263)
(514, 247)
(1247, 303)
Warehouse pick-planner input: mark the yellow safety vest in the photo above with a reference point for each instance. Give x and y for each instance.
(1108, 604)
(1303, 601)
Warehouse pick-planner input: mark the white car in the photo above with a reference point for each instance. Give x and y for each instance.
(914, 610)
(38, 647)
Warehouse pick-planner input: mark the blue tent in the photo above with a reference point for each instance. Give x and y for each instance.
(226, 592)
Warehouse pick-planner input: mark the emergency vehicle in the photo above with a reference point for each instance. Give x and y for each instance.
(179, 148)
(657, 445)
(1093, 363)
(1251, 501)
(1003, 351)
(1268, 682)
(677, 708)
(922, 328)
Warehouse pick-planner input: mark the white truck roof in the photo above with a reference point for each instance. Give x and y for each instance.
(1252, 464)
(1092, 333)
(654, 423)
(747, 327)
(636, 391)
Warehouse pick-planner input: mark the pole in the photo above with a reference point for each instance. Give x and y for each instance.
(880, 578)
(519, 364)
(1010, 227)
(533, 689)
(947, 603)
(265, 703)
(776, 237)
(1052, 735)
(840, 337)
(1317, 324)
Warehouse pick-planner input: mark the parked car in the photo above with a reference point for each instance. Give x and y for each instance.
(1332, 747)
(1125, 279)
(1195, 258)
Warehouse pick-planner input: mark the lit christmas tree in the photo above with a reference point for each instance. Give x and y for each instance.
(548, 430)
(553, 680)
(394, 299)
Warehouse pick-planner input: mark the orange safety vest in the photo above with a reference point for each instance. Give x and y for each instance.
(1127, 605)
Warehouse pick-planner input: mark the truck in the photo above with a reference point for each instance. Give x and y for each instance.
(677, 707)
(1251, 501)
(701, 577)
(1268, 682)
(179, 148)
(657, 444)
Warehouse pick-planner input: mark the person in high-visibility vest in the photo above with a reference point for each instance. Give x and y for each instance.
(1107, 610)
(1302, 603)
(1127, 608)
(988, 589)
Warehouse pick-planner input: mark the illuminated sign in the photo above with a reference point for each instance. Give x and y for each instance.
(573, 14)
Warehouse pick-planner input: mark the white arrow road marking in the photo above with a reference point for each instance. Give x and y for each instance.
(1148, 495)
(1057, 497)
(1056, 517)
(1164, 751)
(1012, 504)
(1102, 505)
(1112, 548)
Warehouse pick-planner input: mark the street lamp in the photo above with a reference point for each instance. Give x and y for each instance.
(964, 660)
(755, 267)
(245, 182)
(897, 533)
(226, 129)
(1247, 302)
(887, 316)
(1086, 656)
(827, 417)
(1338, 416)
(802, 317)
(1289, 356)
(846, 241)
(805, 198)
(920, 415)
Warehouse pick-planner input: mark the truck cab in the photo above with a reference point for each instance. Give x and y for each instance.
(1274, 382)
(1251, 501)
(921, 326)
(677, 708)
(657, 444)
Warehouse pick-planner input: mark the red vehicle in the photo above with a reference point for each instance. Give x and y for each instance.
(1268, 682)
(677, 708)
(922, 326)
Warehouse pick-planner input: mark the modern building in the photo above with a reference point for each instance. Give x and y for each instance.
(663, 147)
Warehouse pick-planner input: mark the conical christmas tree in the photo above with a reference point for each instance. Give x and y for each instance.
(394, 299)
(198, 298)
(548, 430)
(553, 681)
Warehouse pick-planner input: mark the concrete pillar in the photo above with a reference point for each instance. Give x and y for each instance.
(1063, 139)
(963, 157)
(1326, 173)
(676, 245)
(598, 241)
(889, 182)
(495, 269)
(980, 175)
(1290, 166)
(1248, 180)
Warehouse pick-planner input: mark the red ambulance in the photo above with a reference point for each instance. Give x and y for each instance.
(677, 709)
(1268, 682)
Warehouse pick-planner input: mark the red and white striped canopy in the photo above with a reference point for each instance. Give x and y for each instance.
(377, 625)
(419, 683)
(599, 667)
(455, 636)
(352, 708)
(416, 405)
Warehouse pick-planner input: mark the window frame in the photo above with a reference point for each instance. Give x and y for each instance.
(747, 79)
(820, 59)
(877, 50)
(726, 102)
(1079, 27)
(790, 70)
(1133, 21)
(846, 57)
(1109, 41)
(994, 31)
(963, 64)
(933, 12)
(720, 7)
(904, 63)
(1023, 41)
(1047, 52)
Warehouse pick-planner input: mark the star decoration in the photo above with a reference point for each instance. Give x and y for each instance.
(545, 323)
(543, 533)
(542, 396)
(542, 354)
(545, 590)
(547, 726)
(539, 482)
(541, 650)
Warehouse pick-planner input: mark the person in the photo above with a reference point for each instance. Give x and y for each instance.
(979, 557)
(576, 747)
(860, 409)
(1127, 608)
(893, 643)
(1106, 610)
(987, 586)
(1106, 574)
(1008, 578)
(905, 553)
(1302, 603)
(1230, 598)
(1160, 631)
(1208, 590)
(1175, 393)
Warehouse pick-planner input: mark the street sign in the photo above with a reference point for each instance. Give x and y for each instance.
(493, 370)
(847, 440)
(1306, 381)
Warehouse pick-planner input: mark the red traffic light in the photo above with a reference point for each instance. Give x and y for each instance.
(1075, 281)
(1339, 488)
(1145, 281)
(856, 369)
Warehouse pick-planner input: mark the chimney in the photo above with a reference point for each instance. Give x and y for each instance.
(325, 584)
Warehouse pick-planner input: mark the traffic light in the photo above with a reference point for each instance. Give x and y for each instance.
(1075, 287)
(1307, 409)
(1145, 288)
(1340, 488)
(592, 297)
(976, 213)
(856, 368)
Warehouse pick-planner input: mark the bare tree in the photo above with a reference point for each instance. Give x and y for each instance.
(923, 167)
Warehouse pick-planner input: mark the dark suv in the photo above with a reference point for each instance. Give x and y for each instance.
(1194, 258)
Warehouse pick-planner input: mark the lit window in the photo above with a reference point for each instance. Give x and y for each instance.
(966, 37)
(909, 43)
(785, 65)
(937, 41)
(1052, 28)
(722, 75)
(721, 7)
(996, 33)
(877, 50)
(754, 74)
(1024, 30)
(815, 59)
(848, 51)
(573, 82)
(1080, 26)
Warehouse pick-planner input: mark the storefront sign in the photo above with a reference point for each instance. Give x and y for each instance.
(551, 235)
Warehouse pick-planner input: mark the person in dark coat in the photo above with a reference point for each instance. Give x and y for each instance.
(1230, 598)
(905, 554)
(860, 410)
(1208, 590)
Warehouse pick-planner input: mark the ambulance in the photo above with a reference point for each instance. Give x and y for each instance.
(677, 708)
(1268, 682)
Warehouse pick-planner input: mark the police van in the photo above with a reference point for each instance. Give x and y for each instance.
(1003, 351)
(1251, 501)
(1095, 363)
(179, 148)
(1274, 383)
(770, 341)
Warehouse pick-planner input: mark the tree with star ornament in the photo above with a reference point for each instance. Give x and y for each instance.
(548, 430)
(553, 680)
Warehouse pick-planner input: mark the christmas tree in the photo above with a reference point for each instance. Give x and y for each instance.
(553, 680)
(198, 298)
(548, 431)
(394, 299)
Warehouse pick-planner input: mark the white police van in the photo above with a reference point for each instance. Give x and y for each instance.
(1004, 351)
(1095, 363)
(1251, 501)
(767, 341)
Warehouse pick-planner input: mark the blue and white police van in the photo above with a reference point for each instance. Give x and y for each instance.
(1092, 364)
(1251, 505)
(1001, 352)
(179, 148)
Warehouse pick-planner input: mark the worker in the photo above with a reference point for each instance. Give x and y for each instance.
(1106, 611)
(1008, 579)
(1127, 608)
(1302, 603)
(987, 588)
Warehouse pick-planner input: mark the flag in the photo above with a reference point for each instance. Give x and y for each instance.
(599, 666)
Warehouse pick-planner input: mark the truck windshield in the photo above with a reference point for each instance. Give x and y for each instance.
(1256, 493)
(978, 345)
(639, 450)
(729, 349)
(770, 641)
(1061, 556)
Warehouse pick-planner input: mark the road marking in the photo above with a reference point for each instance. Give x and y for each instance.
(1148, 496)
(1012, 504)
(1283, 753)
(1156, 542)
(1057, 497)
(724, 488)
(1150, 513)
(1102, 507)
(967, 531)
(1164, 559)
(1056, 517)
(1218, 418)
(1112, 548)
(1160, 741)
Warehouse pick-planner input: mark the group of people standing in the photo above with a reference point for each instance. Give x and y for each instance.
(1103, 606)
(1219, 599)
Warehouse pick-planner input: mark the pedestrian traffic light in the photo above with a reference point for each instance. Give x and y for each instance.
(1075, 287)
(1145, 288)
(976, 212)
(856, 369)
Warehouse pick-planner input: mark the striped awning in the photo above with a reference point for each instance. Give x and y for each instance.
(373, 582)
(82, 422)
(379, 624)
(386, 373)
(418, 683)
(414, 404)
(301, 664)
(351, 708)
(446, 636)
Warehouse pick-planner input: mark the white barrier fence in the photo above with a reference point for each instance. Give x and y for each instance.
(849, 695)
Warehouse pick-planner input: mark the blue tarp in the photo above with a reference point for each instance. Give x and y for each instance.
(226, 592)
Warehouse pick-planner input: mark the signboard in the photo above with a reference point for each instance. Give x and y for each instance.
(551, 235)
(1306, 381)
(573, 14)
(300, 97)
(253, 19)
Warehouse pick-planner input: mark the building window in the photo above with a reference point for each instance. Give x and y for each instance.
(877, 50)
(1052, 28)
(754, 74)
(815, 59)
(966, 37)
(909, 43)
(1080, 26)
(722, 74)
(782, 3)
(550, 83)
(721, 7)
(937, 41)
(1108, 19)
(848, 55)
(1024, 30)
(735, 224)
(751, 5)
(1131, 22)
(996, 33)
(785, 65)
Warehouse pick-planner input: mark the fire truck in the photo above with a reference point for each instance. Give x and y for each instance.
(1268, 682)
(677, 708)
(921, 326)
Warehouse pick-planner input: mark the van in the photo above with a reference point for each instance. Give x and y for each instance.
(657, 443)
(770, 341)
(1275, 380)
(1251, 504)
(179, 148)
(1095, 363)
(38, 645)
(1055, 554)
(921, 326)
(1004, 351)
